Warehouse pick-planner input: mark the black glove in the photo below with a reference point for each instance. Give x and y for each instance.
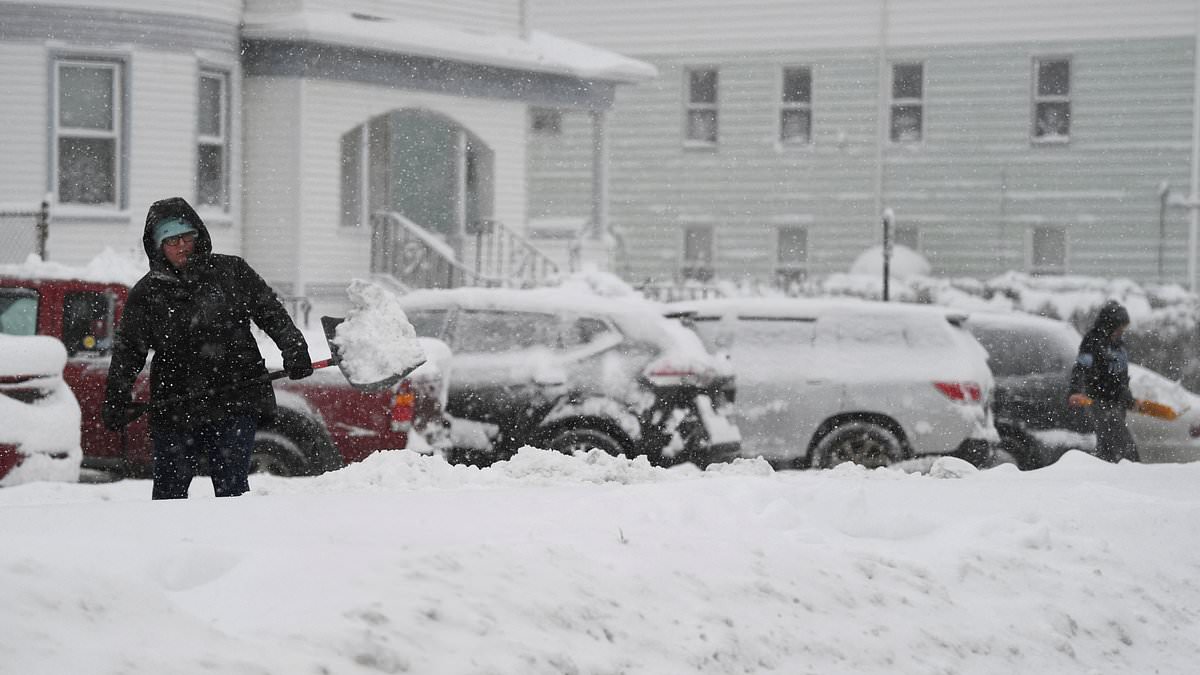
(114, 415)
(298, 365)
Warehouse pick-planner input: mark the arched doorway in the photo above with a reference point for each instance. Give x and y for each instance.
(423, 165)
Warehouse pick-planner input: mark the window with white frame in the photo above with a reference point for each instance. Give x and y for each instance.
(1051, 99)
(212, 140)
(1048, 250)
(702, 124)
(908, 106)
(88, 120)
(697, 252)
(791, 254)
(795, 116)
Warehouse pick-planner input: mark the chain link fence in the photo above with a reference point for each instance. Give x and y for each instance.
(23, 230)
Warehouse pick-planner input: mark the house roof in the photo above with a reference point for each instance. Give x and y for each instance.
(541, 52)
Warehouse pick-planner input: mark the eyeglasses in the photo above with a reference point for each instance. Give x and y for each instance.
(178, 239)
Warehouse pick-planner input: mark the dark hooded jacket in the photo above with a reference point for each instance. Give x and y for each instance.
(1101, 369)
(196, 321)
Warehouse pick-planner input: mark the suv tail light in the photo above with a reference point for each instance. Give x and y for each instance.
(674, 372)
(961, 392)
(402, 407)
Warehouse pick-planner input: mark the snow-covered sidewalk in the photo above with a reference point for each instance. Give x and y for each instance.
(597, 565)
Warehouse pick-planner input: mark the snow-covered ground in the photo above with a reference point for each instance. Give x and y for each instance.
(599, 565)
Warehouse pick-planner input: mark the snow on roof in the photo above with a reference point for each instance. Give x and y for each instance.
(108, 267)
(781, 307)
(541, 52)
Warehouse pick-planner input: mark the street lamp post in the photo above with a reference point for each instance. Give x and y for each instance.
(888, 218)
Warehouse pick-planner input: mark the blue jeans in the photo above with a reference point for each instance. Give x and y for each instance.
(225, 443)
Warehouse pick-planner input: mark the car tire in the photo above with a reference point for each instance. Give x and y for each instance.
(570, 441)
(864, 443)
(277, 455)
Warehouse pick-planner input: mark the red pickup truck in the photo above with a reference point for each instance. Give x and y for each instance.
(322, 422)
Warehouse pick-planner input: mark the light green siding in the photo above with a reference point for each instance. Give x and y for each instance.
(974, 186)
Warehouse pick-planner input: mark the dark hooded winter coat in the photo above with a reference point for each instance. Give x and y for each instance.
(196, 321)
(1101, 369)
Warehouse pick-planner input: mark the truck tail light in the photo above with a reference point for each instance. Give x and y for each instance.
(961, 392)
(402, 407)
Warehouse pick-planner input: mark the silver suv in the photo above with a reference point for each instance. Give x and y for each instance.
(826, 381)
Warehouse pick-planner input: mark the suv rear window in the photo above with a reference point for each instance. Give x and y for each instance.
(18, 311)
(1024, 350)
(499, 331)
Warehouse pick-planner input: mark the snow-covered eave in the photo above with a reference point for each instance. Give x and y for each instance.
(542, 52)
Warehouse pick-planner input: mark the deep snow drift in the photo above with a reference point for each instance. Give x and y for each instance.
(599, 565)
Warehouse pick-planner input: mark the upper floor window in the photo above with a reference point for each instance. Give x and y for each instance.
(795, 115)
(702, 124)
(908, 95)
(1048, 250)
(88, 120)
(697, 252)
(212, 141)
(791, 255)
(545, 121)
(1052, 100)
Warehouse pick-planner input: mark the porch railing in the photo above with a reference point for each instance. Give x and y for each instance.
(417, 258)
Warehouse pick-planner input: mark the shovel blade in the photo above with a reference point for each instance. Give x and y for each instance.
(329, 324)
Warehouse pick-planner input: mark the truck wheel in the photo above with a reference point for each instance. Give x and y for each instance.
(861, 442)
(277, 455)
(570, 441)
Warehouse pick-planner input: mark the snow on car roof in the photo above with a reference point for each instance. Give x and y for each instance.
(31, 355)
(806, 307)
(108, 267)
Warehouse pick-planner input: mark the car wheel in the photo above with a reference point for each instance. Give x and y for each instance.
(277, 455)
(864, 443)
(570, 441)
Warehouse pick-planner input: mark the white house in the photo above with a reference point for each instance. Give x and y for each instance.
(289, 124)
(1033, 135)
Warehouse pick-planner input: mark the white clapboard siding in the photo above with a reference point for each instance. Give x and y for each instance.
(488, 16)
(219, 10)
(272, 201)
(299, 128)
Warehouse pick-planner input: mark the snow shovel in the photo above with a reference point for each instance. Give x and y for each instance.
(1155, 409)
(355, 377)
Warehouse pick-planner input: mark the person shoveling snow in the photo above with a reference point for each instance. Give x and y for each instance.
(374, 345)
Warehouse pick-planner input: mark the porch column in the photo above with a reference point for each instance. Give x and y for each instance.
(599, 224)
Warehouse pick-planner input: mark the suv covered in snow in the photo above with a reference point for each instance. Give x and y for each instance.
(569, 371)
(826, 381)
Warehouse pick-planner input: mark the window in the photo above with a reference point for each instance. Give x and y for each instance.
(908, 91)
(697, 252)
(88, 321)
(545, 121)
(498, 331)
(212, 141)
(88, 118)
(791, 255)
(795, 115)
(702, 126)
(1052, 100)
(1048, 250)
(908, 236)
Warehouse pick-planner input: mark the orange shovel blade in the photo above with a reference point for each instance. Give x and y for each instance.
(1155, 409)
